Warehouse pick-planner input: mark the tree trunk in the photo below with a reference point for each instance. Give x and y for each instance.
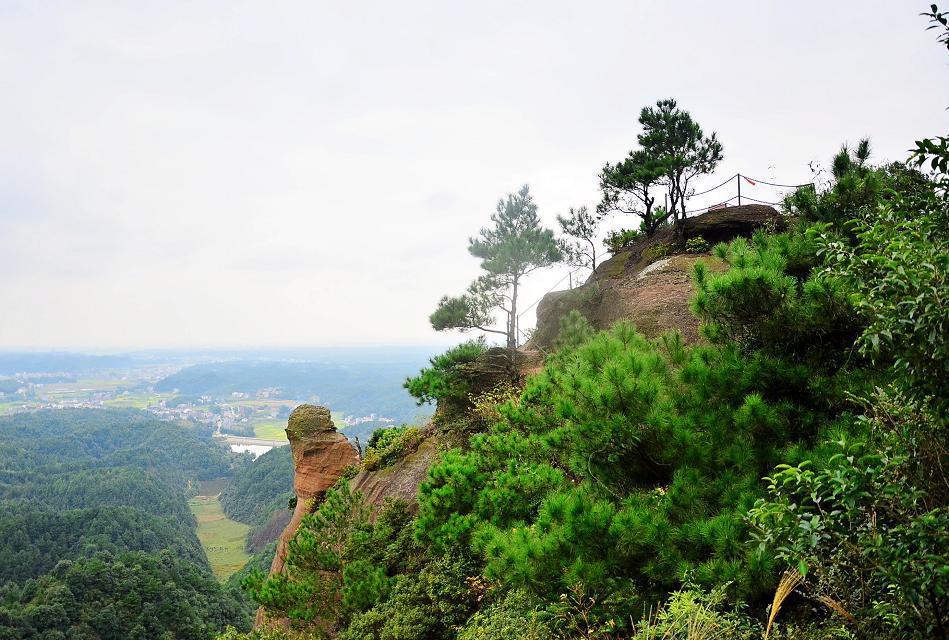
(512, 321)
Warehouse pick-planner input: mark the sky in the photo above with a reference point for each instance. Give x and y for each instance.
(235, 174)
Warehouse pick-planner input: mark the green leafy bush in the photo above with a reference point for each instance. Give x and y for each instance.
(870, 541)
(657, 251)
(621, 238)
(696, 245)
(515, 616)
(693, 614)
(897, 275)
(428, 606)
(575, 330)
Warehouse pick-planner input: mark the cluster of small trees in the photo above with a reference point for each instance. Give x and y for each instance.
(673, 150)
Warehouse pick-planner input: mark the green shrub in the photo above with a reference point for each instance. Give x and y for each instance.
(580, 614)
(513, 617)
(328, 576)
(430, 605)
(486, 406)
(262, 633)
(340, 564)
(387, 446)
(696, 245)
(657, 251)
(693, 614)
(443, 380)
(621, 238)
(863, 532)
(897, 276)
(771, 300)
(575, 330)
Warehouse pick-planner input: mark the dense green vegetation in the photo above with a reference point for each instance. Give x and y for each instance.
(259, 487)
(47, 443)
(34, 537)
(785, 477)
(132, 595)
(444, 379)
(96, 538)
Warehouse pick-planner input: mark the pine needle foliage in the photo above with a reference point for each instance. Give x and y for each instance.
(625, 461)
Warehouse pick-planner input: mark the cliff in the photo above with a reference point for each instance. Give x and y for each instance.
(400, 480)
(320, 455)
(649, 283)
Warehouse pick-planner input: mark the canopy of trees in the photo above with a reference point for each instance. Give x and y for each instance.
(132, 595)
(260, 487)
(96, 538)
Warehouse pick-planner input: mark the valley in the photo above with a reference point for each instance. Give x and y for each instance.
(223, 539)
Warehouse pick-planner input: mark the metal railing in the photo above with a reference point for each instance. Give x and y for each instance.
(736, 200)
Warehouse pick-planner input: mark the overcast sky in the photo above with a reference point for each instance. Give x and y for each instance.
(257, 173)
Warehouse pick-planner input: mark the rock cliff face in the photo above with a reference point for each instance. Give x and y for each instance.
(399, 481)
(648, 283)
(320, 454)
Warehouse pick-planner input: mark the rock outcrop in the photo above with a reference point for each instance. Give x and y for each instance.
(320, 455)
(399, 481)
(649, 283)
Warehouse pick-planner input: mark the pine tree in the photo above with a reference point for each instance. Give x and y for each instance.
(514, 247)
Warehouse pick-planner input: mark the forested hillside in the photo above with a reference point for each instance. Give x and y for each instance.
(258, 495)
(94, 516)
(782, 477)
(260, 487)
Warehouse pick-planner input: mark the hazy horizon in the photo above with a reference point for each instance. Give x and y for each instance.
(186, 176)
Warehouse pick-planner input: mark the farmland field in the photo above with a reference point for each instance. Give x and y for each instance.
(137, 401)
(271, 429)
(222, 538)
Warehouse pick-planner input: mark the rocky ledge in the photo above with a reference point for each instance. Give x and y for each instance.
(649, 283)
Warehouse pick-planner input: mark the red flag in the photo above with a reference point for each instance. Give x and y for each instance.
(750, 181)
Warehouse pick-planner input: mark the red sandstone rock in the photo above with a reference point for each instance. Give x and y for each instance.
(649, 283)
(399, 481)
(320, 454)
